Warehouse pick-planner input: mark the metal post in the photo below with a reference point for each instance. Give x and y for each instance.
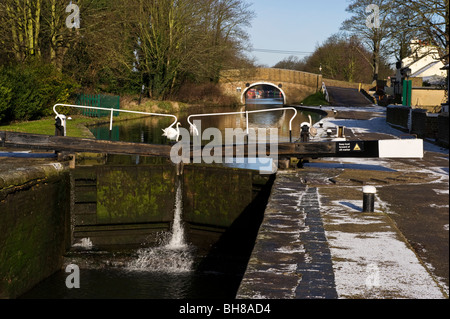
(246, 121)
(369, 199)
(2, 139)
(304, 133)
(60, 125)
(407, 91)
(111, 121)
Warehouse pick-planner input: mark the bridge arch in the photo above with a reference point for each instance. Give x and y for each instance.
(244, 93)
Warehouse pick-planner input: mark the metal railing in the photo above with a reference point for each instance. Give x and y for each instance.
(112, 111)
(192, 126)
(194, 129)
(325, 92)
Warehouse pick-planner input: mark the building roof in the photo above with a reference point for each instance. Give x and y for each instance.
(423, 69)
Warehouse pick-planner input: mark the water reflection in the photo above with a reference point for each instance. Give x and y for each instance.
(149, 130)
(113, 283)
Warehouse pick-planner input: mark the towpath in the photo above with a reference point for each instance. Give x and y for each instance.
(347, 97)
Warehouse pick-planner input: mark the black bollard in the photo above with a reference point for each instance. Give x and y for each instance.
(60, 125)
(369, 199)
(304, 133)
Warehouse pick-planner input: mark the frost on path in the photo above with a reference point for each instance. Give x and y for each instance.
(371, 261)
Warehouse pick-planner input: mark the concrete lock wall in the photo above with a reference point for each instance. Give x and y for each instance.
(296, 85)
(117, 205)
(44, 212)
(215, 197)
(34, 229)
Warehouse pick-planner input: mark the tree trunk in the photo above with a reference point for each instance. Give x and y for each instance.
(376, 57)
(37, 28)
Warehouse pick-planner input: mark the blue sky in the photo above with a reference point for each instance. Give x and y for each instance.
(293, 25)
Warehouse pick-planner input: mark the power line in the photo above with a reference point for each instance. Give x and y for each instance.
(282, 51)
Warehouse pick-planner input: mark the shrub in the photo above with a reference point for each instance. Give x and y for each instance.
(5, 96)
(33, 90)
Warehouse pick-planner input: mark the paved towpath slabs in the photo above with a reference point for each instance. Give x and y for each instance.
(315, 243)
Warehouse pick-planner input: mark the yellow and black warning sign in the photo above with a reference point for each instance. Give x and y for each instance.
(351, 146)
(357, 148)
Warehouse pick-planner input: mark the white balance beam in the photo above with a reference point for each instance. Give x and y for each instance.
(410, 148)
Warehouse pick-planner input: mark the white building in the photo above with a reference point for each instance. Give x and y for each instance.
(424, 63)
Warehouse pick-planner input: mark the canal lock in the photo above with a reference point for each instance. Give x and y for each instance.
(122, 213)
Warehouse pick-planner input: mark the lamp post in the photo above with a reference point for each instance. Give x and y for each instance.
(320, 72)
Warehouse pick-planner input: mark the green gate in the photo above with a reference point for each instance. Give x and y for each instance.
(407, 92)
(98, 100)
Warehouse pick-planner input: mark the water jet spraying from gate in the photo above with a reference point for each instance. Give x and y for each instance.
(174, 255)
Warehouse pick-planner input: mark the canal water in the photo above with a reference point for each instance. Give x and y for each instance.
(149, 130)
(196, 231)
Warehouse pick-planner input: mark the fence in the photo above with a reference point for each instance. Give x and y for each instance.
(98, 100)
(419, 122)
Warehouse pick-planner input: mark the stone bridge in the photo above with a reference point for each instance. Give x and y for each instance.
(294, 86)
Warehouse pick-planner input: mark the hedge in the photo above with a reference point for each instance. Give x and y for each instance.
(28, 92)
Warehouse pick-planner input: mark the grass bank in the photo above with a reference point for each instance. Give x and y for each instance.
(46, 126)
(316, 99)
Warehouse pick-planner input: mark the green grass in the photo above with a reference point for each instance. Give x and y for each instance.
(316, 99)
(46, 126)
(76, 127)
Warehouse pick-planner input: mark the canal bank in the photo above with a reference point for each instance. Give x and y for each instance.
(315, 241)
(34, 221)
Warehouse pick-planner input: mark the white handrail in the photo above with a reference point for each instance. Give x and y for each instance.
(279, 109)
(325, 92)
(211, 114)
(246, 115)
(112, 112)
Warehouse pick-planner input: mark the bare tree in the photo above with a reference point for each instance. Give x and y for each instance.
(291, 63)
(344, 58)
(162, 41)
(430, 20)
(20, 28)
(375, 34)
(398, 44)
(174, 39)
